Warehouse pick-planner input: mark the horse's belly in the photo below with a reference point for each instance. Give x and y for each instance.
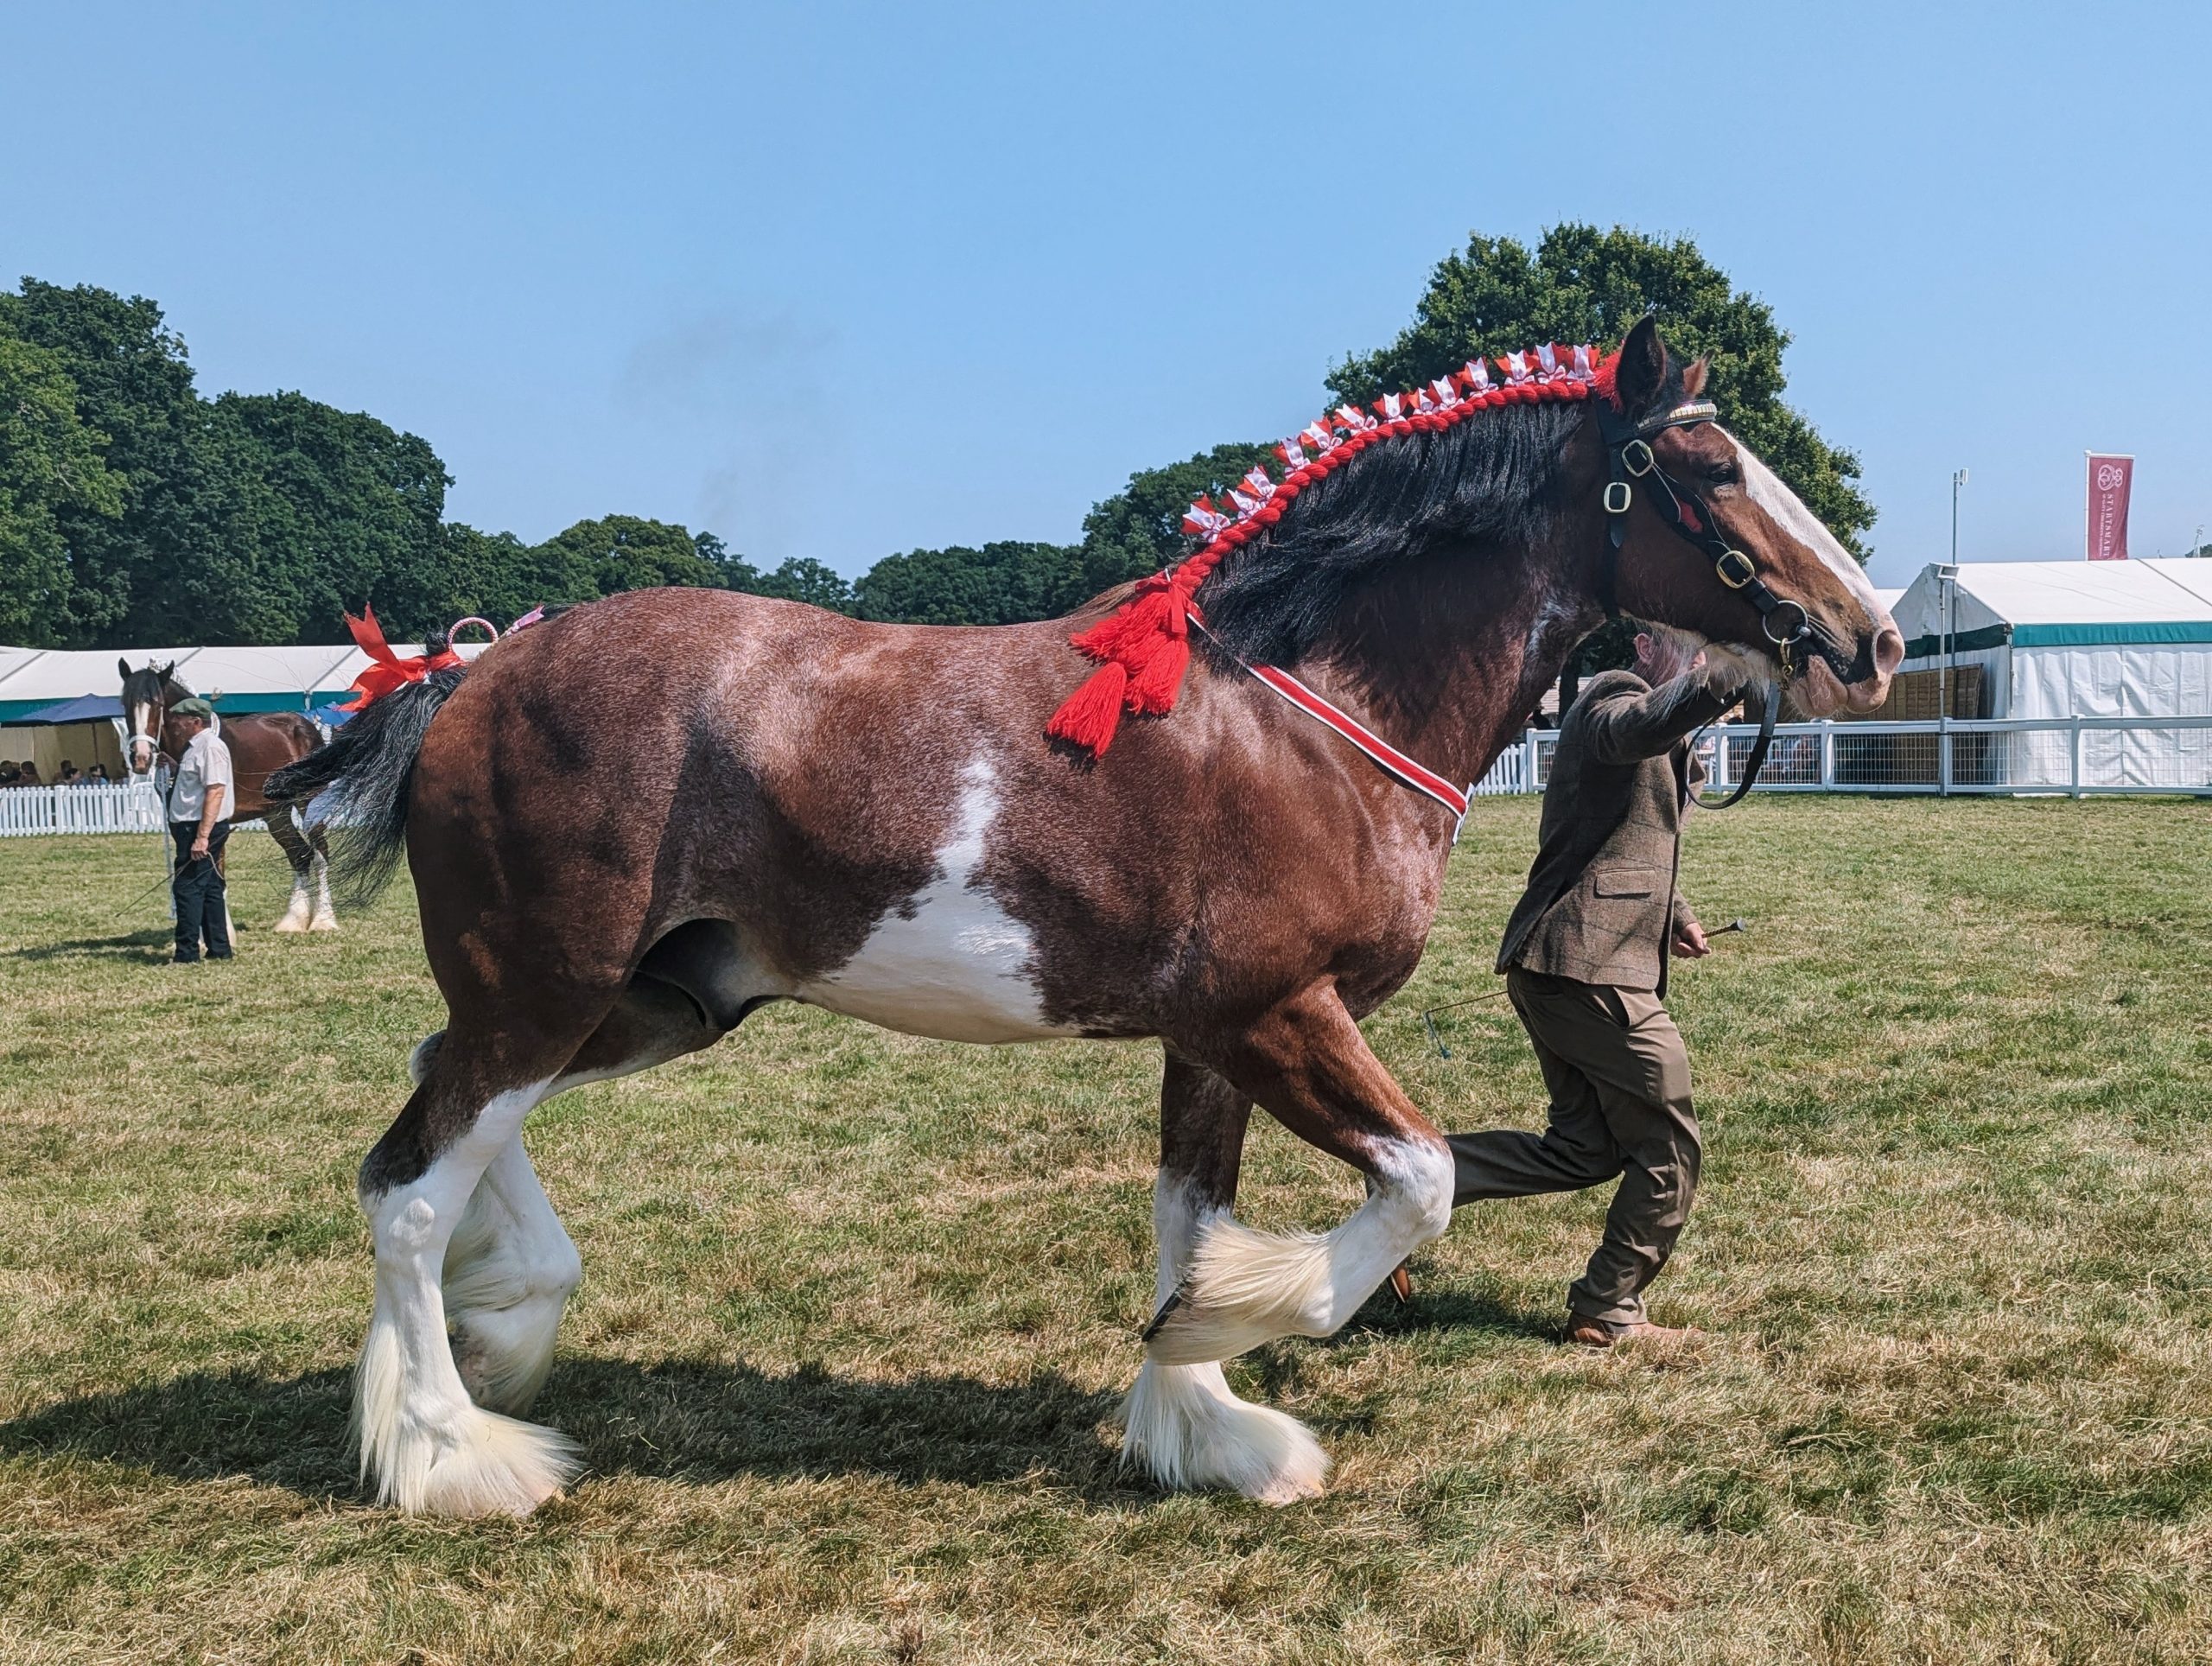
(954, 965)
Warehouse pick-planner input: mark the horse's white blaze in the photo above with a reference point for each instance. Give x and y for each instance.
(142, 718)
(429, 1447)
(1790, 513)
(950, 962)
(1182, 1422)
(1248, 1286)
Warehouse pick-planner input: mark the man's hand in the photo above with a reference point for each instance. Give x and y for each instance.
(1689, 939)
(199, 848)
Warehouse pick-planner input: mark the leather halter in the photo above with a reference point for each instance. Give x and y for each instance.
(1629, 457)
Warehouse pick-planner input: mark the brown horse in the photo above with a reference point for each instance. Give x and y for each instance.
(261, 743)
(633, 824)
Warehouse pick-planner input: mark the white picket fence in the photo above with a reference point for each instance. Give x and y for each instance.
(2076, 756)
(2079, 756)
(101, 807)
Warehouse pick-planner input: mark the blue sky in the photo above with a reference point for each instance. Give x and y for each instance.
(836, 281)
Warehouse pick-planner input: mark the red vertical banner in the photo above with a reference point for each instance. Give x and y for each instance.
(2110, 480)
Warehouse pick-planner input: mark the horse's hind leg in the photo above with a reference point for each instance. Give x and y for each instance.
(1181, 1420)
(325, 917)
(509, 1272)
(430, 1447)
(1308, 1064)
(294, 844)
(511, 1269)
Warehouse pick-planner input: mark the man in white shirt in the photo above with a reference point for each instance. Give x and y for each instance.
(199, 807)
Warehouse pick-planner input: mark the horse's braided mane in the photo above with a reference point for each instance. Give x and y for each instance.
(1466, 480)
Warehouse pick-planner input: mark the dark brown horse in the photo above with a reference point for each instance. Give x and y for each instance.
(633, 824)
(261, 743)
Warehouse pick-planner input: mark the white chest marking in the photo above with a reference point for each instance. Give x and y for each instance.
(1790, 514)
(952, 963)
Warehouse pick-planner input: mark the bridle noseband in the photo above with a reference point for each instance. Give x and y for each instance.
(1785, 623)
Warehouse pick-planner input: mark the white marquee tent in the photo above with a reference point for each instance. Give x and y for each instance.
(2069, 638)
(247, 679)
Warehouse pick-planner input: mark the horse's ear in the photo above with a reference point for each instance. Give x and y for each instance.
(168, 671)
(123, 665)
(1642, 370)
(1694, 375)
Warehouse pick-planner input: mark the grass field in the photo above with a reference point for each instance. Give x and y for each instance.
(857, 1308)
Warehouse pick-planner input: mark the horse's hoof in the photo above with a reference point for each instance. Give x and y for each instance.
(288, 924)
(324, 923)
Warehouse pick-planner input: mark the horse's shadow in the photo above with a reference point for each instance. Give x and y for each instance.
(692, 1420)
(148, 945)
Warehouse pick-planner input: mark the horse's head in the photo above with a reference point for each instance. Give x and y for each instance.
(146, 695)
(1716, 546)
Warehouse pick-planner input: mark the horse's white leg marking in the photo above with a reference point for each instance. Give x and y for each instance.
(325, 918)
(1247, 1287)
(509, 1272)
(1182, 1422)
(950, 963)
(429, 1447)
(299, 911)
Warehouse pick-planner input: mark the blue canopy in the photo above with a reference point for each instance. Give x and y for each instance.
(84, 708)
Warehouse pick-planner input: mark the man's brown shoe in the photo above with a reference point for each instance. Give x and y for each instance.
(1603, 1333)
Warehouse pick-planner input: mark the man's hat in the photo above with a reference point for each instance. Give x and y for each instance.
(195, 707)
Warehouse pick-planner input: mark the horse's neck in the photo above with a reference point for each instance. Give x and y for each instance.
(1446, 658)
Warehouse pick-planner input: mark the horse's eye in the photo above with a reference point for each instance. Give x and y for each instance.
(1723, 474)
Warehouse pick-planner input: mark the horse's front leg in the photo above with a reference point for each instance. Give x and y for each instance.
(1306, 1062)
(1182, 1422)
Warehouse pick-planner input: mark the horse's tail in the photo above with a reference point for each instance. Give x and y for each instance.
(360, 781)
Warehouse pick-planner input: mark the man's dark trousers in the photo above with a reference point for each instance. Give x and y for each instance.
(202, 909)
(1619, 1081)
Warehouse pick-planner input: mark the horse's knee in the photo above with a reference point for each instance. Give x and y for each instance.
(1416, 1179)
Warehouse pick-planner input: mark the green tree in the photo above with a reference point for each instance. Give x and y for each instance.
(50, 469)
(999, 584)
(800, 578)
(495, 576)
(622, 552)
(1140, 530)
(1582, 284)
(133, 386)
(303, 511)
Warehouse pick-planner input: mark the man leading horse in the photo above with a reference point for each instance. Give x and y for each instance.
(1585, 957)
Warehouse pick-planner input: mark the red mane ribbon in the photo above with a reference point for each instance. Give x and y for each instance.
(1143, 647)
(390, 672)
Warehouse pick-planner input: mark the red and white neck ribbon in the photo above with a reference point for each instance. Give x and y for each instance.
(1417, 776)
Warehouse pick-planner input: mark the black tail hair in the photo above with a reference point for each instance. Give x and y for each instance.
(360, 782)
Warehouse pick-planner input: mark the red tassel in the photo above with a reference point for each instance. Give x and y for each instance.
(1088, 717)
(1159, 679)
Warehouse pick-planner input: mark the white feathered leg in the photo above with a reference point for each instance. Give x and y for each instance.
(325, 918)
(300, 910)
(509, 1272)
(429, 1448)
(1247, 1287)
(1182, 1422)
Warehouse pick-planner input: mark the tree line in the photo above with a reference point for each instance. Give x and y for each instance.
(133, 510)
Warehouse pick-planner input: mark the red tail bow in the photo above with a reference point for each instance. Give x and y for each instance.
(389, 672)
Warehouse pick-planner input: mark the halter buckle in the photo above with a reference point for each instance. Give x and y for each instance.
(1637, 458)
(1734, 569)
(1617, 506)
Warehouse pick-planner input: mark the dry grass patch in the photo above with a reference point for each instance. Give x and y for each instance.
(858, 1309)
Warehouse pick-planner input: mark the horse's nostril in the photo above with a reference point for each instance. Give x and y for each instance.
(1889, 649)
